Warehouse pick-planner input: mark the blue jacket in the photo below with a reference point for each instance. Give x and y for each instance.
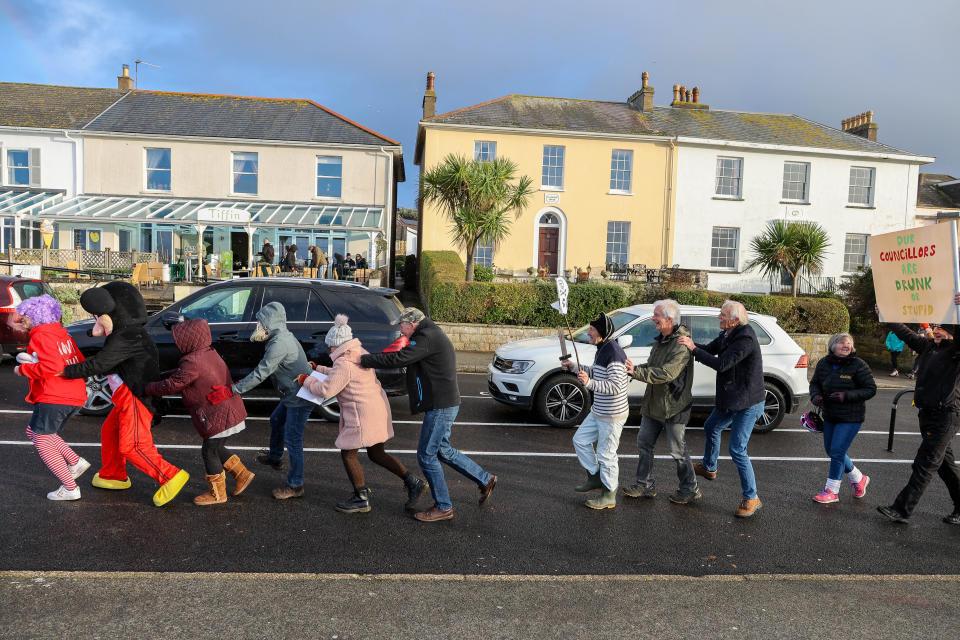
(893, 342)
(737, 361)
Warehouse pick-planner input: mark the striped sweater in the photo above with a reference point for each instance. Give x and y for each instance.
(609, 380)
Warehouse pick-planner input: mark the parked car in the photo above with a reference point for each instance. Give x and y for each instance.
(13, 291)
(231, 307)
(527, 374)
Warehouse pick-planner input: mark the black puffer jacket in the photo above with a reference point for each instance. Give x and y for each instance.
(431, 368)
(938, 371)
(850, 375)
(739, 366)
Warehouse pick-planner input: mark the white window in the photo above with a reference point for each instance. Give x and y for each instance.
(796, 181)
(484, 150)
(23, 167)
(158, 169)
(618, 242)
(855, 251)
(483, 253)
(245, 170)
(552, 176)
(87, 239)
(861, 186)
(723, 247)
(621, 165)
(329, 176)
(729, 177)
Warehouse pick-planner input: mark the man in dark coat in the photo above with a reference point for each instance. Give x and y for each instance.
(290, 260)
(432, 386)
(267, 252)
(937, 396)
(130, 360)
(735, 355)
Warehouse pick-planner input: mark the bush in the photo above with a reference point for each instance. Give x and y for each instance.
(411, 273)
(66, 296)
(482, 273)
(794, 315)
(858, 294)
(399, 265)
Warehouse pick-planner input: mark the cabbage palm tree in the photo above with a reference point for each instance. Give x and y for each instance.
(794, 247)
(478, 197)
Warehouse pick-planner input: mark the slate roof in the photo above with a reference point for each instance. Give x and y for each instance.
(591, 116)
(929, 195)
(52, 107)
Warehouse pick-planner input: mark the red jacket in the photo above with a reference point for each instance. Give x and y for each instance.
(55, 349)
(201, 368)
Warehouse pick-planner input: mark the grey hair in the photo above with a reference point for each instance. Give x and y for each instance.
(670, 309)
(737, 311)
(837, 337)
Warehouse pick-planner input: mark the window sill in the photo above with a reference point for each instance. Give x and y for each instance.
(729, 198)
(721, 270)
(619, 193)
(545, 188)
(328, 199)
(244, 195)
(156, 192)
(859, 206)
(800, 203)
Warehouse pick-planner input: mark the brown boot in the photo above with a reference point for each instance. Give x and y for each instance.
(241, 475)
(217, 493)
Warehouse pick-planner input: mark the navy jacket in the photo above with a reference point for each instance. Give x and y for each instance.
(850, 375)
(736, 358)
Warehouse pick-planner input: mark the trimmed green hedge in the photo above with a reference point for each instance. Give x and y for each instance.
(795, 315)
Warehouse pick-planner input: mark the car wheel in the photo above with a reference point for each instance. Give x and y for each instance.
(774, 408)
(562, 401)
(99, 397)
(331, 412)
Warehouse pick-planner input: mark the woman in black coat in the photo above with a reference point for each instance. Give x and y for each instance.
(290, 260)
(841, 385)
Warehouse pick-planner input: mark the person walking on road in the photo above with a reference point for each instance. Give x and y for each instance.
(841, 384)
(365, 418)
(666, 407)
(608, 380)
(432, 386)
(894, 346)
(937, 396)
(735, 355)
(283, 361)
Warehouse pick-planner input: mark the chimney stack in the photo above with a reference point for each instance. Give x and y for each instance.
(642, 100)
(676, 94)
(125, 82)
(429, 98)
(861, 125)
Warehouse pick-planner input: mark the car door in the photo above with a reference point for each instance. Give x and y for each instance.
(643, 334)
(229, 310)
(703, 329)
(307, 318)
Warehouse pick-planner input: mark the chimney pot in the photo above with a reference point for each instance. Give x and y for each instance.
(644, 79)
(676, 93)
(430, 77)
(429, 98)
(687, 98)
(696, 95)
(869, 116)
(683, 93)
(124, 81)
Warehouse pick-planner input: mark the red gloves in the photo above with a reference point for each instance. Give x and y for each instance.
(302, 377)
(219, 394)
(313, 365)
(397, 344)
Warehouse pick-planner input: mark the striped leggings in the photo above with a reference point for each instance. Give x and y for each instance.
(56, 455)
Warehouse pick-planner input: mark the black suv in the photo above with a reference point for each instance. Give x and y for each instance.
(230, 307)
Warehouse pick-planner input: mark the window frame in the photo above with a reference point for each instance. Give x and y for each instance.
(736, 249)
(234, 173)
(477, 150)
(9, 168)
(559, 168)
(805, 197)
(483, 254)
(86, 237)
(718, 177)
(871, 188)
(616, 172)
(318, 177)
(625, 232)
(865, 237)
(147, 169)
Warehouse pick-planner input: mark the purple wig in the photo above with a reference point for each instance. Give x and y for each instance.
(41, 309)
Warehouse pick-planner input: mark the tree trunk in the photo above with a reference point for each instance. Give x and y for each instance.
(470, 249)
(795, 277)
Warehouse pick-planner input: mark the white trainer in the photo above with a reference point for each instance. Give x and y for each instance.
(63, 494)
(77, 470)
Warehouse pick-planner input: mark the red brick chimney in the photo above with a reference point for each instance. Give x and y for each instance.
(861, 125)
(642, 100)
(429, 98)
(125, 82)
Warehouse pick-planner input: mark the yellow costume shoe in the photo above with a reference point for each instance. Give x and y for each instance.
(105, 483)
(169, 489)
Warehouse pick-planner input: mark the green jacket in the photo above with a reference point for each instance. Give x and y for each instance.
(669, 377)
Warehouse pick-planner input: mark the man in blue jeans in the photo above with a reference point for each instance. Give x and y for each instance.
(432, 386)
(735, 355)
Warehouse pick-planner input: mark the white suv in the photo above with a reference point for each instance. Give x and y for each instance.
(526, 373)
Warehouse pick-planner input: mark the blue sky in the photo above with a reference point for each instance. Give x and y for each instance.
(368, 59)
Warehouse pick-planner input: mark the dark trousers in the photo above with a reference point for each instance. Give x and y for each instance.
(934, 456)
(894, 355)
(215, 453)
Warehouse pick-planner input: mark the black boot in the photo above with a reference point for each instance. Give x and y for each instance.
(359, 502)
(593, 483)
(415, 488)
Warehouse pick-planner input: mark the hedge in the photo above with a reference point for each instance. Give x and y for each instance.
(794, 315)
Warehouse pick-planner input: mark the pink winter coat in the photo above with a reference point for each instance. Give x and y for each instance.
(365, 417)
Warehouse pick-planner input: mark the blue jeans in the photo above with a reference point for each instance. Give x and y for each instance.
(741, 426)
(434, 447)
(837, 438)
(286, 427)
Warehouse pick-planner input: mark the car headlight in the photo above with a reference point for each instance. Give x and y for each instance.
(516, 366)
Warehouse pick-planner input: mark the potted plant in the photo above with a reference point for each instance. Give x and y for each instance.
(531, 270)
(604, 274)
(583, 273)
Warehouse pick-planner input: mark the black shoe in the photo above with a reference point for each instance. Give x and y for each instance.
(639, 491)
(415, 488)
(359, 502)
(263, 457)
(953, 518)
(893, 514)
(685, 497)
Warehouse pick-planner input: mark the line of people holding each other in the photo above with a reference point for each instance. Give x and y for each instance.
(343, 266)
(56, 371)
(840, 387)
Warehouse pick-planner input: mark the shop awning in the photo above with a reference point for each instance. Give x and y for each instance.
(122, 209)
(28, 201)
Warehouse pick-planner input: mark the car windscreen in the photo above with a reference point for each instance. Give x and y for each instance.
(620, 319)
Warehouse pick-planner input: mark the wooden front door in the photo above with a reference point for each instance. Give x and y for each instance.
(549, 248)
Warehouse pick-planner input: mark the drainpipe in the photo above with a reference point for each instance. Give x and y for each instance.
(76, 162)
(665, 256)
(390, 228)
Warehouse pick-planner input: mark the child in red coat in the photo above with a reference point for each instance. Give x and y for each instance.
(55, 399)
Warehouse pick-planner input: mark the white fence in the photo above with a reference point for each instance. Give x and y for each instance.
(106, 260)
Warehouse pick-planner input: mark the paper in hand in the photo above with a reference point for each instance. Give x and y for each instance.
(306, 395)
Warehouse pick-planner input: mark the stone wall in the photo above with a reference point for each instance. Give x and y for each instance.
(814, 344)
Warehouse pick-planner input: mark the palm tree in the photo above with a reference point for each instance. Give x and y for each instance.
(794, 247)
(478, 197)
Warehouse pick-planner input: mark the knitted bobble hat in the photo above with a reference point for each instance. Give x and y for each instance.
(340, 333)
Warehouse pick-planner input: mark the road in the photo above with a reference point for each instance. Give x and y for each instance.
(535, 540)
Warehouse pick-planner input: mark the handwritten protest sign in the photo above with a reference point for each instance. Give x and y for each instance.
(915, 274)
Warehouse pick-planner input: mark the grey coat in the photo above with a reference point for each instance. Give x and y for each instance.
(282, 361)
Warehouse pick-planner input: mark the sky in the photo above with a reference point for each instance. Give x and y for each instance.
(368, 59)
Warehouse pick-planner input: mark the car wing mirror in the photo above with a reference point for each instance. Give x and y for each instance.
(625, 341)
(170, 318)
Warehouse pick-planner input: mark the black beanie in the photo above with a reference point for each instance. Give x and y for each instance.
(603, 325)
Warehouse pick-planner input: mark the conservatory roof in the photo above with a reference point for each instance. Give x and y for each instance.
(27, 201)
(119, 209)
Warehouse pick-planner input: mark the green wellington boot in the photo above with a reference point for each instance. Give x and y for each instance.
(606, 500)
(593, 483)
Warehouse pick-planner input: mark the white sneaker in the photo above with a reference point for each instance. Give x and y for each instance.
(77, 470)
(63, 494)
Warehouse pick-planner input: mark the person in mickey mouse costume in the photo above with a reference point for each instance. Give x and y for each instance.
(130, 360)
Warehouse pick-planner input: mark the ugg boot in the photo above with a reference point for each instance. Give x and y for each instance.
(606, 500)
(415, 488)
(217, 493)
(593, 483)
(359, 502)
(241, 475)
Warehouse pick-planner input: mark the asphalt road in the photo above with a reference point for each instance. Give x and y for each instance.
(535, 533)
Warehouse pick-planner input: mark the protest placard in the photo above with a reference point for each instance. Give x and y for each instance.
(915, 274)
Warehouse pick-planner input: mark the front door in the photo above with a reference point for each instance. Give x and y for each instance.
(549, 248)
